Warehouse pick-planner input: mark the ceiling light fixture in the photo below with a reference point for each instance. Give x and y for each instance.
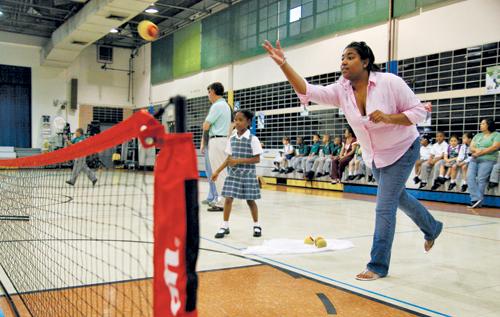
(113, 30)
(1, 13)
(152, 9)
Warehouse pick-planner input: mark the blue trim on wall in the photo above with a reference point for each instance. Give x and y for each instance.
(490, 201)
(253, 127)
(393, 66)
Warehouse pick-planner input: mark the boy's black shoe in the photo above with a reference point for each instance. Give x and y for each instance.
(451, 186)
(422, 185)
(464, 188)
(436, 185)
(359, 176)
(310, 175)
(416, 180)
(440, 180)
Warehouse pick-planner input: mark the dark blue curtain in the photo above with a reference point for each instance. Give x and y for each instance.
(15, 106)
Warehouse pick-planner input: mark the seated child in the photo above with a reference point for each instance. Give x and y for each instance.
(450, 159)
(284, 157)
(301, 152)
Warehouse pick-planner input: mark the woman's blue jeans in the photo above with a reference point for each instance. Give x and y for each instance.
(391, 194)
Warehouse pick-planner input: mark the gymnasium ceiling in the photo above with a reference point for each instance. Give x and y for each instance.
(42, 17)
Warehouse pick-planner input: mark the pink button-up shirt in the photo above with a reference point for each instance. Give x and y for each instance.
(382, 143)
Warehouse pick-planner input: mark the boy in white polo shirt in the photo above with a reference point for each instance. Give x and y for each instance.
(437, 154)
(425, 154)
(285, 155)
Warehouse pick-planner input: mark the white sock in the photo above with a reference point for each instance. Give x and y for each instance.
(441, 176)
(453, 181)
(225, 224)
(256, 224)
(464, 183)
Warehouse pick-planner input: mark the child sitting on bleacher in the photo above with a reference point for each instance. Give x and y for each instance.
(335, 149)
(324, 154)
(425, 154)
(356, 166)
(450, 159)
(462, 163)
(308, 162)
(437, 154)
(301, 152)
(285, 155)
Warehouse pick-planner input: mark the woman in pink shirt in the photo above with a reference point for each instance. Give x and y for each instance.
(383, 112)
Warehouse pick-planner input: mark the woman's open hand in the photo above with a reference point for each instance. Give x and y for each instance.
(276, 53)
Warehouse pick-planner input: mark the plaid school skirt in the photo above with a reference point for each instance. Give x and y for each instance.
(241, 186)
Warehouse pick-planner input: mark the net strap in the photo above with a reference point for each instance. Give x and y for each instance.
(140, 125)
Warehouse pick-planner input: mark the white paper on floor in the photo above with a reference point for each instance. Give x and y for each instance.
(290, 246)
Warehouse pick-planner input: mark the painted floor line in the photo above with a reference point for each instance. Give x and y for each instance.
(335, 281)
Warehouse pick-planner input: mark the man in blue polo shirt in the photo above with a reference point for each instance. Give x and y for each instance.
(215, 131)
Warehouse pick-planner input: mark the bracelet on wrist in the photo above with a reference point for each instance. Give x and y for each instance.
(283, 63)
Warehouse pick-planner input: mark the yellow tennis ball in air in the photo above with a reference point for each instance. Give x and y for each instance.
(148, 30)
(309, 240)
(320, 242)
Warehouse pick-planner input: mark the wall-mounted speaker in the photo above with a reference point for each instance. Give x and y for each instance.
(73, 104)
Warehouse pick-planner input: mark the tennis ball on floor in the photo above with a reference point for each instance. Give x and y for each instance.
(309, 240)
(320, 242)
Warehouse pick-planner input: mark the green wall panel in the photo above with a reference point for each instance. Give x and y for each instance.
(238, 32)
(216, 40)
(161, 60)
(402, 7)
(187, 50)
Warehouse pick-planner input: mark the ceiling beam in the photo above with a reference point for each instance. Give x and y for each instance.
(9, 10)
(181, 8)
(29, 31)
(163, 16)
(18, 23)
(230, 2)
(36, 6)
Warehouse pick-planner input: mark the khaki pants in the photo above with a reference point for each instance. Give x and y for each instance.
(217, 156)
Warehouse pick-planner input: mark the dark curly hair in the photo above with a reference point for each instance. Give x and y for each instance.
(246, 113)
(365, 52)
(491, 124)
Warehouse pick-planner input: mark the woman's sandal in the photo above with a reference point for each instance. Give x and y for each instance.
(374, 276)
(428, 244)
